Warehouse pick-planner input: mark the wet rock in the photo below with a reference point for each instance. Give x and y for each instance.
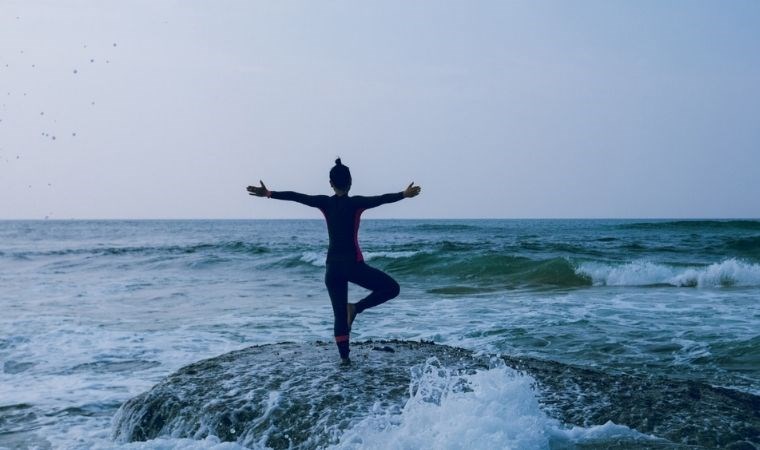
(293, 395)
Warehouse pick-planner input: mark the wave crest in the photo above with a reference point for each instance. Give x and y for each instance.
(495, 408)
(728, 273)
(492, 270)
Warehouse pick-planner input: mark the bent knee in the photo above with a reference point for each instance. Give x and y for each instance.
(393, 290)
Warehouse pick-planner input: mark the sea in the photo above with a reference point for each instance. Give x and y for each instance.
(95, 313)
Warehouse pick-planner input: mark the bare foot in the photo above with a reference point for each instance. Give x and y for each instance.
(351, 314)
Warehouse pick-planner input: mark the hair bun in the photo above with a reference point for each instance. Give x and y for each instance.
(338, 163)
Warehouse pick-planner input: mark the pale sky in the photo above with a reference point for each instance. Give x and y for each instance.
(168, 109)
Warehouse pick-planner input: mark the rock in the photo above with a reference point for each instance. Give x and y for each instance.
(298, 395)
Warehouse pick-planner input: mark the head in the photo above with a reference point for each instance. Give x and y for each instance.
(340, 177)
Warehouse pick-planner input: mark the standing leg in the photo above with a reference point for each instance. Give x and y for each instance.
(337, 287)
(383, 287)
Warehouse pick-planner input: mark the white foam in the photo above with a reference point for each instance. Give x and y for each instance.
(210, 443)
(495, 408)
(318, 258)
(609, 431)
(314, 258)
(731, 272)
(392, 255)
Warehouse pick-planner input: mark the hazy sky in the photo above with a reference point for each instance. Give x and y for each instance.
(168, 109)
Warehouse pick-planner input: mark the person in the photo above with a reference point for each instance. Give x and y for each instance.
(345, 262)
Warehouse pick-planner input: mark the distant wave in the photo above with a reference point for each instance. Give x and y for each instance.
(228, 247)
(446, 227)
(695, 224)
(558, 247)
(729, 273)
(748, 245)
(318, 258)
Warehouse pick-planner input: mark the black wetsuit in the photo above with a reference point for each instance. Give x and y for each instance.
(344, 257)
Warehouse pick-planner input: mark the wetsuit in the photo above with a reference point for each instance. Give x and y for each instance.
(344, 257)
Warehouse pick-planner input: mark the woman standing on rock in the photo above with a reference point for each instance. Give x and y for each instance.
(345, 262)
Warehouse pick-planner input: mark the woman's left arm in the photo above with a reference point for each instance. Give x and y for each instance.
(315, 201)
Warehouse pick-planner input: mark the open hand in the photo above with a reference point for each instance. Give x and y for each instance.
(259, 191)
(412, 190)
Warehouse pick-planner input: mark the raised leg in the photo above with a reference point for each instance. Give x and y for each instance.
(381, 284)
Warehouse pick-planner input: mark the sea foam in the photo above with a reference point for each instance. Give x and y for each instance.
(209, 443)
(728, 273)
(494, 408)
(318, 258)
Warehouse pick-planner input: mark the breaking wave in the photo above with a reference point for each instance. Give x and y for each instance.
(729, 273)
(492, 269)
(495, 408)
(479, 273)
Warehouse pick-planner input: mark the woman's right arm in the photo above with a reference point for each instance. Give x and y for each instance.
(371, 202)
(316, 201)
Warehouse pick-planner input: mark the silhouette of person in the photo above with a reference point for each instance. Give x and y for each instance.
(345, 262)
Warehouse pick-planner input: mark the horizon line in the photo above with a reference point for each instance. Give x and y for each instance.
(165, 219)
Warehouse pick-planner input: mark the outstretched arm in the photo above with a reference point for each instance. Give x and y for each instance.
(371, 202)
(316, 201)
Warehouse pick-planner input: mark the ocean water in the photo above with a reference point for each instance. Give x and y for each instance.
(95, 313)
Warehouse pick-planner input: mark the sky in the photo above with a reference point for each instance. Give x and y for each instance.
(158, 109)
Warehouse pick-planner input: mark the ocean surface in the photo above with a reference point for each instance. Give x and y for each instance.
(94, 313)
